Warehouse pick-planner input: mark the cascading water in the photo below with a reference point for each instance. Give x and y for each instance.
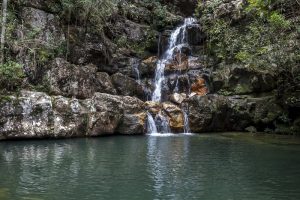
(176, 41)
(162, 124)
(136, 71)
(186, 122)
(151, 127)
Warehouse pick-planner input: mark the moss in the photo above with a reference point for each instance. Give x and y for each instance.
(224, 92)
(5, 99)
(241, 89)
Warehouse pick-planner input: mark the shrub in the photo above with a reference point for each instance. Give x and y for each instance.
(11, 76)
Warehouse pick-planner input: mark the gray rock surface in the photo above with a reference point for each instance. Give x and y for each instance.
(37, 115)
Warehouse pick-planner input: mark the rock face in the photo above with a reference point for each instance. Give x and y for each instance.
(97, 78)
(74, 81)
(235, 113)
(199, 87)
(37, 115)
(127, 86)
(186, 7)
(175, 115)
(243, 80)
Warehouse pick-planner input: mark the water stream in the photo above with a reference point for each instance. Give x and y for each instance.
(151, 127)
(177, 40)
(136, 70)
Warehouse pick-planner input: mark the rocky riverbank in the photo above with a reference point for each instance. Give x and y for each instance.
(80, 79)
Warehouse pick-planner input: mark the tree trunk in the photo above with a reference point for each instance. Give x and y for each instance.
(3, 29)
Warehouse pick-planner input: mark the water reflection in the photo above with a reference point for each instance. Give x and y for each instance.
(167, 159)
(176, 167)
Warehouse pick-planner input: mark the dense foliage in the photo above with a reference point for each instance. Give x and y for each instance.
(261, 34)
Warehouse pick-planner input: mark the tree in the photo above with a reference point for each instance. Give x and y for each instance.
(3, 29)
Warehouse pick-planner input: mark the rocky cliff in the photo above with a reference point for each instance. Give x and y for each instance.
(74, 69)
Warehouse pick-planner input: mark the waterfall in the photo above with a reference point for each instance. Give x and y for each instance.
(178, 38)
(162, 124)
(151, 127)
(136, 71)
(186, 122)
(176, 41)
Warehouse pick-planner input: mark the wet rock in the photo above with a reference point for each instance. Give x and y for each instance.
(178, 98)
(179, 63)
(148, 66)
(150, 61)
(133, 124)
(175, 116)
(107, 113)
(176, 83)
(153, 107)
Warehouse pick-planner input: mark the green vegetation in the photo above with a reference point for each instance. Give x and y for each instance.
(93, 14)
(261, 34)
(262, 37)
(11, 75)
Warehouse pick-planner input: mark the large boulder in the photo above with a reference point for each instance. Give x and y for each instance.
(243, 80)
(77, 81)
(38, 37)
(30, 115)
(127, 86)
(90, 47)
(175, 117)
(37, 115)
(107, 113)
(132, 124)
(235, 113)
